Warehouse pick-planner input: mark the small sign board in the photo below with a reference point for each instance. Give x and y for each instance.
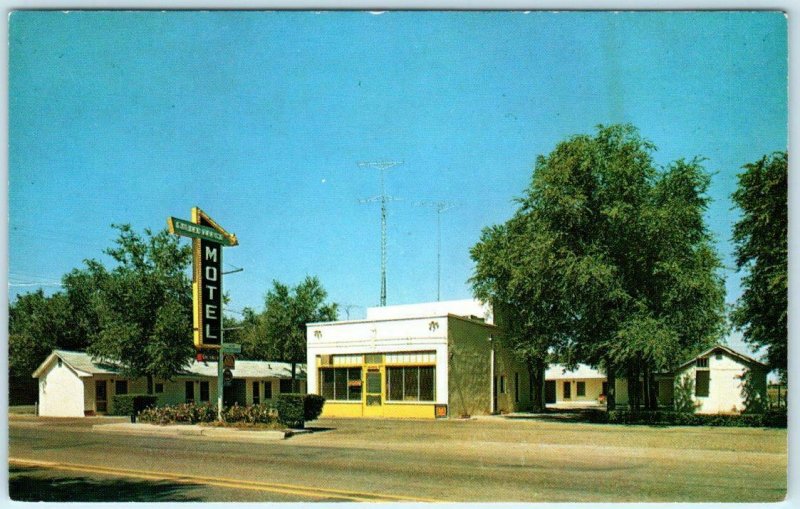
(440, 411)
(229, 361)
(231, 348)
(199, 231)
(227, 376)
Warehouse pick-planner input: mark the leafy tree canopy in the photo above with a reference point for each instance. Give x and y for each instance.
(761, 243)
(279, 332)
(607, 260)
(142, 306)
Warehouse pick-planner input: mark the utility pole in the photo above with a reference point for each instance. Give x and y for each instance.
(440, 206)
(383, 198)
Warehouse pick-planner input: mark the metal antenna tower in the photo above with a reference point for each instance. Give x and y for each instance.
(440, 206)
(383, 198)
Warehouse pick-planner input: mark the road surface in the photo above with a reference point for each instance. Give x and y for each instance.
(374, 460)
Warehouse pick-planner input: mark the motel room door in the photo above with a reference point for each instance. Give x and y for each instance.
(373, 391)
(549, 391)
(100, 396)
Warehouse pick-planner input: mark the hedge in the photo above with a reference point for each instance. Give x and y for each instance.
(131, 404)
(312, 406)
(291, 410)
(190, 413)
(769, 419)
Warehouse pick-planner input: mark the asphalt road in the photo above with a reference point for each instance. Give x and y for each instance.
(355, 460)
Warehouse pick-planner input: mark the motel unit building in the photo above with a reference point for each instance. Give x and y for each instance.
(417, 361)
(716, 377)
(73, 384)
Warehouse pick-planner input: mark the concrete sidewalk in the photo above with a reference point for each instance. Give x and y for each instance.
(195, 431)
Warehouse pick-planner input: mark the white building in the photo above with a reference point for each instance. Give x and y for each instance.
(420, 360)
(715, 379)
(72, 384)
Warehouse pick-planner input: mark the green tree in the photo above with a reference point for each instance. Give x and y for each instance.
(761, 243)
(37, 325)
(142, 305)
(279, 332)
(607, 260)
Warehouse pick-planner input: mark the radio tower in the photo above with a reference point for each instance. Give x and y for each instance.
(440, 207)
(383, 198)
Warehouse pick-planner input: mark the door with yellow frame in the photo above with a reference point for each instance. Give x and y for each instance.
(374, 383)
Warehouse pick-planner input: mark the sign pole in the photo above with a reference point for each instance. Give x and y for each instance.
(220, 382)
(208, 239)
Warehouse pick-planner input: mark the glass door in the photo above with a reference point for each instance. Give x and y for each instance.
(373, 392)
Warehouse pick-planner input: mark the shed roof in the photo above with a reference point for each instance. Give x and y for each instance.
(729, 351)
(86, 366)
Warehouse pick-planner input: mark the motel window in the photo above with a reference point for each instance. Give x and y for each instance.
(702, 381)
(411, 383)
(340, 384)
(285, 385)
(256, 393)
(567, 390)
(502, 384)
(605, 389)
(121, 387)
(189, 392)
(702, 362)
(159, 388)
(204, 391)
(581, 389)
(268, 390)
(516, 387)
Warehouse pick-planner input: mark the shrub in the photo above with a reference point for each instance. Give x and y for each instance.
(291, 410)
(190, 413)
(186, 413)
(660, 417)
(684, 395)
(131, 404)
(312, 406)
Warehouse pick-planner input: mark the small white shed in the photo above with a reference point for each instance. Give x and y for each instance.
(73, 384)
(718, 379)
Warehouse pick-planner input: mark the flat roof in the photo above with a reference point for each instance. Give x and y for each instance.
(476, 321)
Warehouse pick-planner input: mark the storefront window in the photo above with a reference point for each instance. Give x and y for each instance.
(340, 384)
(411, 383)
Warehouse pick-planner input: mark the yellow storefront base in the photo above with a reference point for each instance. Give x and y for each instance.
(396, 411)
(332, 409)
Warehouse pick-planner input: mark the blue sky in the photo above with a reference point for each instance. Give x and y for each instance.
(260, 118)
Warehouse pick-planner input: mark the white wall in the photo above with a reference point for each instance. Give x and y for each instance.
(594, 386)
(725, 384)
(61, 392)
(359, 337)
(464, 307)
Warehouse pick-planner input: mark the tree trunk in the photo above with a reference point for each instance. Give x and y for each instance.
(611, 392)
(536, 370)
(294, 376)
(633, 389)
(648, 393)
(149, 384)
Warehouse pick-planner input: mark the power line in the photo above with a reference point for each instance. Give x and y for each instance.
(383, 198)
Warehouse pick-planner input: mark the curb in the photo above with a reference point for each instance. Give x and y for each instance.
(188, 430)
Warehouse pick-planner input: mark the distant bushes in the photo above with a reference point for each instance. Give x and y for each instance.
(131, 404)
(291, 410)
(769, 419)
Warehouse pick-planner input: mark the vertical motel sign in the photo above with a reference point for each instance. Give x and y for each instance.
(208, 238)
